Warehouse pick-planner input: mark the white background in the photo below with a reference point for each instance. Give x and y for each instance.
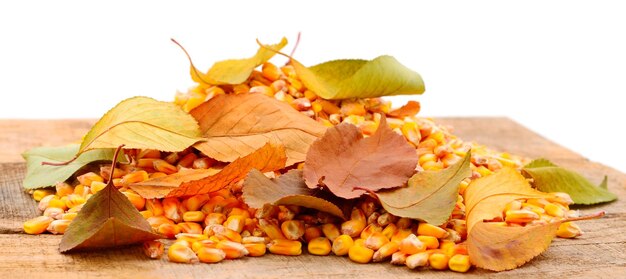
(557, 67)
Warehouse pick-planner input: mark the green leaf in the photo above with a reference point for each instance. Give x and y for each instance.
(430, 195)
(236, 71)
(355, 78)
(38, 175)
(142, 122)
(548, 177)
(108, 219)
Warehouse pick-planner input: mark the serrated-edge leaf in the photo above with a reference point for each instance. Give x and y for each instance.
(142, 122)
(39, 176)
(549, 177)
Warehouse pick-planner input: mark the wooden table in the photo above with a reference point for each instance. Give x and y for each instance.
(600, 252)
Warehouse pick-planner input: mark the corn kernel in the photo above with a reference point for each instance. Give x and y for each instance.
(520, 216)
(208, 243)
(255, 249)
(385, 251)
(168, 230)
(233, 250)
(285, 247)
(319, 246)
(353, 227)
(428, 229)
(330, 231)
(69, 216)
(459, 263)
(138, 201)
(153, 249)
(438, 261)
(58, 226)
(156, 221)
(146, 214)
(214, 219)
(235, 223)
(87, 178)
(342, 244)
(376, 240)
(412, 245)
(271, 229)
(555, 210)
(430, 242)
(417, 260)
(400, 235)
(191, 237)
(54, 212)
(398, 258)
(210, 255)
(370, 229)
(180, 253)
(97, 186)
(193, 216)
(37, 225)
(41, 193)
(170, 209)
(190, 227)
(222, 233)
(311, 233)
(360, 254)
(56, 202)
(568, 230)
(154, 206)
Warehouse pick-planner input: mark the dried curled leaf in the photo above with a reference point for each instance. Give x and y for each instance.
(236, 71)
(39, 175)
(490, 245)
(270, 157)
(108, 219)
(356, 78)
(237, 125)
(430, 195)
(343, 160)
(411, 108)
(142, 122)
(549, 177)
(288, 189)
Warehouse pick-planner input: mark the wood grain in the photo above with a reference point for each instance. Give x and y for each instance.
(600, 253)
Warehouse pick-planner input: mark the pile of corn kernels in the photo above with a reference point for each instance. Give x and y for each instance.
(217, 226)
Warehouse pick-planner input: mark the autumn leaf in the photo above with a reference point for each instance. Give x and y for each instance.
(142, 122)
(356, 78)
(411, 108)
(490, 245)
(287, 189)
(430, 195)
(270, 157)
(235, 71)
(343, 160)
(237, 125)
(548, 177)
(106, 220)
(39, 175)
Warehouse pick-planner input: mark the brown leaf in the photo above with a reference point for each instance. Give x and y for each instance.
(410, 109)
(288, 189)
(490, 245)
(343, 160)
(237, 125)
(108, 219)
(269, 157)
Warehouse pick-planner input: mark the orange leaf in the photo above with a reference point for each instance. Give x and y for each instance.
(343, 160)
(270, 157)
(108, 219)
(237, 125)
(494, 246)
(410, 109)
(288, 189)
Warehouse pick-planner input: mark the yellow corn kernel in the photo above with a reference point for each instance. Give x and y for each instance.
(330, 231)
(213, 91)
(210, 255)
(146, 214)
(432, 166)
(235, 223)
(398, 258)
(233, 250)
(222, 233)
(255, 249)
(63, 189)
(520, 216)
(447, 247)
(138, 201)
(156, 221)
(187, 160)
(459, 263)
(149, 153)
(360, 254)
(353, 227)
(134, 177)
(241, 88)
(105, 172)
(438, 261)
(404, 223)
(417, 260)
(56, 202)
(262, 89)
(190, 227)
(311, 233)
(375, 241)
(97, 186)
(41, 193)
(271, 229)
(428, 229)
(54, 212)
(562, 198)
(194, 100)
(538, 202)
(254, 239)
(555, 210)
(359, 241)
(568, 230)
(214, 219)
(400, 235)
(514, 205)
(319, 246)
(385, 251)
(74, 200)
(208, 243)
(370, 229)
(164, 167)
(270, 71)
(168, 230)
(58, 226)
(82, 190)
(154, 206)
(146, 163)
(390, 230)
(386, 219)
(180, 253)
(69, 216)
(37, 225)
(430, 242)
(311, 96)
(429, 157)
(117, 182)
(534, 208)
(87, 178)
(191, 237)
(342, 244)
(170, 209)
(195, 203)
(153, 249)
(412, 245)
(285, 247)
(193, 216)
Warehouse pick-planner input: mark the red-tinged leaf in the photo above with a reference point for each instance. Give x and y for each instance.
(108, 219)
(343, 161)
(270, 157)
(410, 109)
(288, 189)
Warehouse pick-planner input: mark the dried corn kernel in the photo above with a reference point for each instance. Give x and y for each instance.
(385, 251)
(430, 242)
(428, 229)
(285, 247)
(438, 261)
(398, 258)
(233, 250)
(568, 230)
(210, 255)
(180, 253)
(417, 260)
(412, 245)
(58, 226)
(153, 249)
(360, 254)
(193, 216)
(376, 240)
(319, 246)
(330, 231)
(41, 193)
(459, 263)
(255, 249)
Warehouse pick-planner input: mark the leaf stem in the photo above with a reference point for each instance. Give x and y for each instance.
(596, 215)
(368, 191)
(60, 163)
(294, 48)
(117, 152)
(193, 67)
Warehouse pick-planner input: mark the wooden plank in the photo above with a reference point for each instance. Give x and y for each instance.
(599, 253)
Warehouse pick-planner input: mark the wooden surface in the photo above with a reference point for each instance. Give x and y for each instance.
(599, 253)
